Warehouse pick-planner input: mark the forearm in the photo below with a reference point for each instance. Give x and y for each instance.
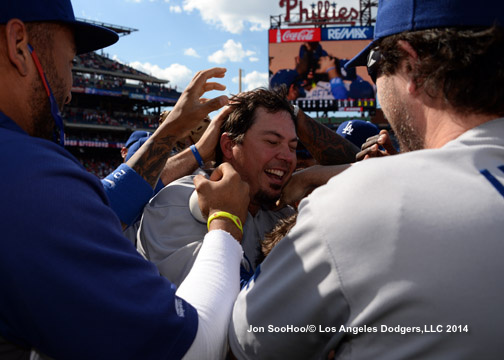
(319, 175)
(151, 158)
(211, 287)
(182, 164)
(327, 147)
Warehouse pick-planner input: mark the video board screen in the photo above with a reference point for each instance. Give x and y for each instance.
(309, 62)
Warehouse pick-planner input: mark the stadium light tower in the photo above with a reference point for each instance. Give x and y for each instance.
(367, 10)
(240, 80)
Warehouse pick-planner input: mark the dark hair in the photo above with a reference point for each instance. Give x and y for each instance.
(464, 66)
(271, 239)
(41, 34)
(244, 112)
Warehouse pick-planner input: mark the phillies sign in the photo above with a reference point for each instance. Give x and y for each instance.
(322, 11)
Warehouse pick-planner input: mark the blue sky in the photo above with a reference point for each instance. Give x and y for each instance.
(177, 38)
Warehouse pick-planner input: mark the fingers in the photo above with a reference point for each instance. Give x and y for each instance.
(280, 204)
(199, 80)
(203, 75)
(224, 191)
(225, 171)
(386, 142)
(372, 151)
(215, 104)
(370, 141)
(213, 86)
(226, 110)
(217, 173)
(200, 182)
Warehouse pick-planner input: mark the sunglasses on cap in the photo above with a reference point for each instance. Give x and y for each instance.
(373, 63)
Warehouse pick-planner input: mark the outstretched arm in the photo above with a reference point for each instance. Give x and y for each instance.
(327, 147)
(130, 186)
(150, 159)
(303, 182)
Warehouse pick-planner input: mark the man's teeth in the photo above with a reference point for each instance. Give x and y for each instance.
(278, 173)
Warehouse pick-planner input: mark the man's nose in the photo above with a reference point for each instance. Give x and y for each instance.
(286, 154)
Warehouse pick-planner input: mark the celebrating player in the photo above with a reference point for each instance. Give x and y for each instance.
(411, 241)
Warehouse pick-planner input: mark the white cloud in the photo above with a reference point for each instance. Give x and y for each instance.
(175, 9)
(191, 52)
(178, 75)
(232, 15)
(231, 51)
(253, 80)
(254, 59)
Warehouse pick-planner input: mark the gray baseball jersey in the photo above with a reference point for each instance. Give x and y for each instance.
(170, 236)
(396, 258)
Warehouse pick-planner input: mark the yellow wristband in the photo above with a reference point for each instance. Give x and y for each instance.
(225, 214)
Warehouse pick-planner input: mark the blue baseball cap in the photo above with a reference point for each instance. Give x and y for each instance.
(135, 136)
(284, 77)
(397, 16)
(357, 131)
(88, 37)
(135, 146)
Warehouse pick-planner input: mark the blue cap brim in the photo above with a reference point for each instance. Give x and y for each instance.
(89, 37)
(361, 58)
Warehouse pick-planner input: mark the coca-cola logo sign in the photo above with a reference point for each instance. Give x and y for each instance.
(294, 35)
(321, 11)
(303, 35)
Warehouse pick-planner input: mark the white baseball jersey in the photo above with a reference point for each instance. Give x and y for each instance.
(170, 236)
(396, 258)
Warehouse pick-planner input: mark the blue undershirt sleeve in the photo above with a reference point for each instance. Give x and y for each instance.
(128, 193)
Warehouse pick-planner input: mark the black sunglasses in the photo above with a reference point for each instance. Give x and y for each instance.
(373, 63)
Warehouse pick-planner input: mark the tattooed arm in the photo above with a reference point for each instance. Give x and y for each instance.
(327, 147)
(131, 185)
(151, 158)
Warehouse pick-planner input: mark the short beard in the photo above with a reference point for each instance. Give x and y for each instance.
(266, 200)
(399, 116)
(43, 122)
(44, 125)
(409, 138)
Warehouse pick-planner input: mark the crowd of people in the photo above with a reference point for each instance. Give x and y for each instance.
(99, 80)
(223, 250)
(117, 118)
(95, 61)
(99, 166)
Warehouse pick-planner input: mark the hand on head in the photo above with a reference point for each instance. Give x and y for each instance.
(190, 109)
(210, 138)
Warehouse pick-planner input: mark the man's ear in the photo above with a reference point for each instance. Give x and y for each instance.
(124, 153)
(409, 64)
(226, 145)
(16, 38)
